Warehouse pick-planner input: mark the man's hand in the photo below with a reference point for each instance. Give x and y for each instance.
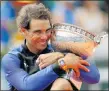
(76, 63)
(46, 59)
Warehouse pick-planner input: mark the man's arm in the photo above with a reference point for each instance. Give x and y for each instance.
(79, 48)
(21, 80)
(93, 76)
(90, 77)
(82, 49)
(79, 66)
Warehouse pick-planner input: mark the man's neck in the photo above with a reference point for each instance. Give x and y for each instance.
(32, 49)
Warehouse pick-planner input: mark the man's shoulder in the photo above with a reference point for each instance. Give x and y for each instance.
(15, 50)
(9, 61)
(12, 56)
(13, 53)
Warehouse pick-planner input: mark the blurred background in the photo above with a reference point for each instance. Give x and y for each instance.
(90, 15)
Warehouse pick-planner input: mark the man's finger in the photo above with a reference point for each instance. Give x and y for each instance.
(44, 56)
(77, 72)
(40, 66)
(84, 62)
(40, 63)
(42, 60)
(83, 68)
(37, 61)
(43, 65)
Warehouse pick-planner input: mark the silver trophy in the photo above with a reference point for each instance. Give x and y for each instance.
(70, 33)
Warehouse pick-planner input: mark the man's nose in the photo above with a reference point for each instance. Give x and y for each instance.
(44, 36)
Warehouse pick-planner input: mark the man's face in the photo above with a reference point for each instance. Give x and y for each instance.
(38, 34)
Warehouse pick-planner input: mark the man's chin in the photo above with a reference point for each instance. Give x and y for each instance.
(42, 47)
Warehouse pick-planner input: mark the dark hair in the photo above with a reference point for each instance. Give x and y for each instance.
(32, 11)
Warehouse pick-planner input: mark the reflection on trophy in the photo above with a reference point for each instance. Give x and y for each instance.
(66, 35)
(71, 38)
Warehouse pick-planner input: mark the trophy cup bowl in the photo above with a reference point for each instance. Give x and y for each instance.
(69, 33)
(65, 33)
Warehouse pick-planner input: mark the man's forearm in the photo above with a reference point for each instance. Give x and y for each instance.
(21, 80)
(93, 75)
(38, 81)
(79, 48)
(68, 46)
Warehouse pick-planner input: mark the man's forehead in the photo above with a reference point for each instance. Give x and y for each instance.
(37, 24)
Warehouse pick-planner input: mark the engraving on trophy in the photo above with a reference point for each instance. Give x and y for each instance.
(75, 30)
(78, 30)
(70, 28)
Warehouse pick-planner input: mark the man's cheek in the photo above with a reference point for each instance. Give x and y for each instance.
(35, 39)
(48, 37)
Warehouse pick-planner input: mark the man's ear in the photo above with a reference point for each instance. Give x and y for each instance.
(53, 32)
(23, 31)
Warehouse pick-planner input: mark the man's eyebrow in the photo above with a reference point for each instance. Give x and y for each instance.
(40, 30)
(36, 30)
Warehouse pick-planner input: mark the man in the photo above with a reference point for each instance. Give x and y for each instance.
(21, 70)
